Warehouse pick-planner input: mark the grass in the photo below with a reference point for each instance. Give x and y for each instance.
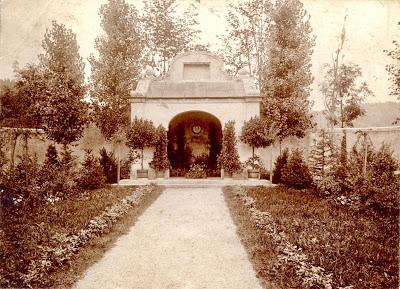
(22, 235)
(359, 247)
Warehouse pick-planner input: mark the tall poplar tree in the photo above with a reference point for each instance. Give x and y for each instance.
(246, 36)
(115, 72)
(394, 69)
(286, 76)
(64, 111)
(167, 32)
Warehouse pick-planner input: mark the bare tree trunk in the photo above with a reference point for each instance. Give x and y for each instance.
(365, 155)
(270, 171)
(26, 138)
(142, 157)
(13, 145)
(118, 163)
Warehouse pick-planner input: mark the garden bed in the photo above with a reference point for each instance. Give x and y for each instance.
(51, 246)
(296, 239)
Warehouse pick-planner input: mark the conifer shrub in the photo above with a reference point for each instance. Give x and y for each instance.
(378, 187)
(91, 173)
(280, 162)
(295, 173)
(160, 160)
(109, 164)
(229, 156)
(51, 157)
(57, 175)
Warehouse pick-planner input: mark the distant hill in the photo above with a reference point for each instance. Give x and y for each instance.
(376, 114)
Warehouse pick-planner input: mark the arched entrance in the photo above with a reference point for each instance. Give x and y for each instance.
(194, 137)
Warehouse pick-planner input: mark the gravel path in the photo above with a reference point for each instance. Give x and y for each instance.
(185, 240)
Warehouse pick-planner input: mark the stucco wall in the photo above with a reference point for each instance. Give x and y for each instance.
(162, 111)
(378, 136)
(217, 73)
(93, 139)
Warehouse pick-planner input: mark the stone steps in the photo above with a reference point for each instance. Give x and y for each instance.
(183, 182)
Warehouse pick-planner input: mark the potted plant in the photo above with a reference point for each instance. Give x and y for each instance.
(141, 134)
(228, 160)
(255, 134)
(160, 162)
(254, 166)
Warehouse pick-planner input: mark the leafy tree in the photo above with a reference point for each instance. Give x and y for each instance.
(254, 135)
(141, 134)
(115, 71)
(343, 95)
(20, 105)
(246, 36)
(166, 32)
(229, 157)
(160, 160)
(10, 107)
(342, 89)
(295, 173)
(394, 68)
(286, 76)
(65, 113)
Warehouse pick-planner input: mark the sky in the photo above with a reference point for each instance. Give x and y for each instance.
(370, 27)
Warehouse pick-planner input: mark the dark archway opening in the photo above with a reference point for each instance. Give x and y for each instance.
(194, 137)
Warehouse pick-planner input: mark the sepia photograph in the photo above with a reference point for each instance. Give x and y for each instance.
(200, 144)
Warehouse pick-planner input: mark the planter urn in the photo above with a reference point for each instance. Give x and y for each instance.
(253, 173)
(141, 174)
(225, 174)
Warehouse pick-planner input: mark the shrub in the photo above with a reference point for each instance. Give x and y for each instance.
(295, 173)
(196, 171)
(19, 189)
(51, 155)
(125, 168)
(58, 178)
(378, 187)
(264, 173)
(91, 174)
(109, 164)
(178, 172)
(229, 157)
(202, 159)
(3, 163)
(328, 186)
(280, 162)
(382, 167)
(160, 160)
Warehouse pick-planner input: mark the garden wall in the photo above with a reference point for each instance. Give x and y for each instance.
(377, 136)
(94, 140)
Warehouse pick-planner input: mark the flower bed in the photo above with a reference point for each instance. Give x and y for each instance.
(298, 240)
(71, 229)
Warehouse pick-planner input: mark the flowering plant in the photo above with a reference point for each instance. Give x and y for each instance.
(196, 171)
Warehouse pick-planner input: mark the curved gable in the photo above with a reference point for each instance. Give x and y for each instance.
(197, 66)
